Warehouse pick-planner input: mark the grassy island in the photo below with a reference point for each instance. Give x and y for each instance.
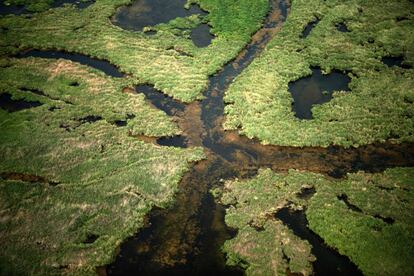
(349, 36)
(367, 217)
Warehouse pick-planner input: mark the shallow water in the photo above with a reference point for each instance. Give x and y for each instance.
(395, 61)
(144, 13)
(201, 35)
(306, 32)
(316, 89)
(20, 9)
(342, 28)
(175, 141)
(186, 238)
(10, 105)
(160, 100)
(148, 13)
(101, 65)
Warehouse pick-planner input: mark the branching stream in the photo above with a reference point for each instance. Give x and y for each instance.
(186, 238)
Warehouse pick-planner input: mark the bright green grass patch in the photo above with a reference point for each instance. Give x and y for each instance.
(380, 104)
(264, 245)
(151, 59)
(96, 182)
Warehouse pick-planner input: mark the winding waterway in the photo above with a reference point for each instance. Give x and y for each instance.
(186, 238)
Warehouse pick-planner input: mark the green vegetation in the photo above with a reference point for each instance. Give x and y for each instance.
(380, 104)
(154, 59)
(264, 245)
(368, 217)
(378, 235)
(71, 190)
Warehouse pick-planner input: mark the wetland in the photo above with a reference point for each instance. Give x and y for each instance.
(216, 147)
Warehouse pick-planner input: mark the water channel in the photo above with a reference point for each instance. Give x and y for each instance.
(186, 238)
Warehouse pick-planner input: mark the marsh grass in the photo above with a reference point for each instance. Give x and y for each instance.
(74, 185)
(367, 217)
(376, 109)
(148, 58)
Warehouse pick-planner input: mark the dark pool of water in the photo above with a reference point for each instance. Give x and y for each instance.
(395, 61)
(160, 100)
(11, 9)
(201, 35)
(316, 89)
(10, 105)
(21, 9)
(309, 28)
(143, 13)
(123, 123)
(175, 141)
(342, 28)
(328, 261)
(101, 65)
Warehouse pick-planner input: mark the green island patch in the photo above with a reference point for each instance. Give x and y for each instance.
(73, 184)
(379, 106)
(169, 60)
(367, 217)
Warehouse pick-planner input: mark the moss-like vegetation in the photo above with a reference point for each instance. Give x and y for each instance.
(367, 217)
(155, 59)
(379, 106)
(73, 185)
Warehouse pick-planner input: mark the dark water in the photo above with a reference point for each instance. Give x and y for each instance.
(147, 13)
(10, 105)
(395, 61)
(201, 35)
(328, 261)
(316, 89)
(342, 28)
(187, 242)
(11, 9)
(122, 123)
(101, 65)
(309, 28)
(143, 13)
(160, 100)
(20, 9)
(175, 141)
